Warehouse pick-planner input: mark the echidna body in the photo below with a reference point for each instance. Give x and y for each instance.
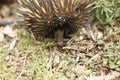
(54, 18)
(7, 2)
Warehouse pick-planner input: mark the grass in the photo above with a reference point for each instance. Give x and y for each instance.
(30, 59)
(107, 12)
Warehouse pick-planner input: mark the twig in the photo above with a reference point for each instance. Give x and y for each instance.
(7, 21)
(70, 48)
(24, 64)
(94, 57)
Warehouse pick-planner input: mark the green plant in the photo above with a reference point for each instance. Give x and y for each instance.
(107, 11)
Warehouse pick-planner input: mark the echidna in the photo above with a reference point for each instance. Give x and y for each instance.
(54, 18)
(7, 2)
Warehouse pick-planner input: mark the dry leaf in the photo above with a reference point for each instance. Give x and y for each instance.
(112, 37)
(1, 36)
(57, 59)
(11, 47)
(81, 70)
(100, 35)
(8, 30)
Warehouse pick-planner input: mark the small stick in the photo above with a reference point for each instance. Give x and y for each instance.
(7, 21)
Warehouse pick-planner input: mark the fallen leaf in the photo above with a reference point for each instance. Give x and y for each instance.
(8, 30)
(11, 47)
(57, 59)
(100, 35)
(1, 37)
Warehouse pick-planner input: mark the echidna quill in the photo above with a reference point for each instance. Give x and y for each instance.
(54, 18)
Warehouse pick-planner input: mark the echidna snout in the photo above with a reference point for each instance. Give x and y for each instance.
(59, 35)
